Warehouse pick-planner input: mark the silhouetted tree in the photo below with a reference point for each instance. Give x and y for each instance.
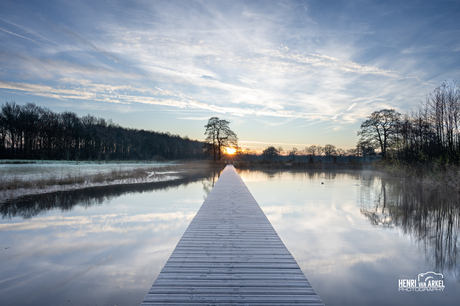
(218, 136)
(341, 152)
(11, 112)
(329, 150)
(430, 133)
(311, 152)
(381, 129)
(319, 150)
(293, 153)
(270, 153)
(280, 150)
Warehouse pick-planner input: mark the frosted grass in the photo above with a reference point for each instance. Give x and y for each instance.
(61, 169)
(21, 179)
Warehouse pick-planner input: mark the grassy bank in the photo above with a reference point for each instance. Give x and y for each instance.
(70, 179)
(125, 174)
(41, 181)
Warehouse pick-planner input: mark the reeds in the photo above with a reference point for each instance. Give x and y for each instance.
(429, 175)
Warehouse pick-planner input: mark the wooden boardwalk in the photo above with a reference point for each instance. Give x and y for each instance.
(231, 255)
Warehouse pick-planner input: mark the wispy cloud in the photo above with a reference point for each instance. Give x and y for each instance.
(9, 32)
(286, 60)
(29, 31)
(195, 118)
(117, 94)
(321, 60)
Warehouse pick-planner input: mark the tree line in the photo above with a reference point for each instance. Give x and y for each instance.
(430, 133)
(329, 152)
(33, 132)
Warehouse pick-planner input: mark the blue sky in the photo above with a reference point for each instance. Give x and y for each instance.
(284, 73)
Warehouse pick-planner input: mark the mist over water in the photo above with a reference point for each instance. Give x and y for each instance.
(353, 233)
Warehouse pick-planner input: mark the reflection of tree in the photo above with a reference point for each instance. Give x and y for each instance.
(378, 212)
(209, 182)
(431, 218)
(299, 174)
(31, 206)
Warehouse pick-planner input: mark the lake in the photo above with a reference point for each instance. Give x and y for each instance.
(355, 235)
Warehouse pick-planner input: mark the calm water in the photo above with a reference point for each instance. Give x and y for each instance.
(354, 237)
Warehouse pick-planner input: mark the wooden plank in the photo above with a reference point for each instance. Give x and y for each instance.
(231, 255)
(230, 290)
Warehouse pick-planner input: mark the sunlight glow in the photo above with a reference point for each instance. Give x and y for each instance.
(230, 151)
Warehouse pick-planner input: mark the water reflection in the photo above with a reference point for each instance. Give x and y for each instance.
(209, 183)
(351, 236)
(431, 218)
(297, 174)
(108, 242)
(34, 205)
(352, 233)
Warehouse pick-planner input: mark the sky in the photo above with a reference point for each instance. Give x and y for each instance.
(284, 73)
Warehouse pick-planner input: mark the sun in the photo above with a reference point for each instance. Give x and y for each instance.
(230, 151)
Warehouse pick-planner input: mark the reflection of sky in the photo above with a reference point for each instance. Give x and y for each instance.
(111, 252)
(347, 260)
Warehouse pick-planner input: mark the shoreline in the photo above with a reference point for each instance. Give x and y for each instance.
(12, 188)
(430, 176)
(42, 182)
(12, 194)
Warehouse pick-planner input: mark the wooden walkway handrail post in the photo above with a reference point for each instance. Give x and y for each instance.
(231, 255)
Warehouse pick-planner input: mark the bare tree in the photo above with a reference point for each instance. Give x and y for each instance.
(341, 152)
(443, 108)
(210, 144)
(280, 150)
(380, 129)
(11, 114)
(271, 153)
(311, 150)
(218, 136)
(293, 153)
(329, 150)
(366, 149)
(319, 150)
